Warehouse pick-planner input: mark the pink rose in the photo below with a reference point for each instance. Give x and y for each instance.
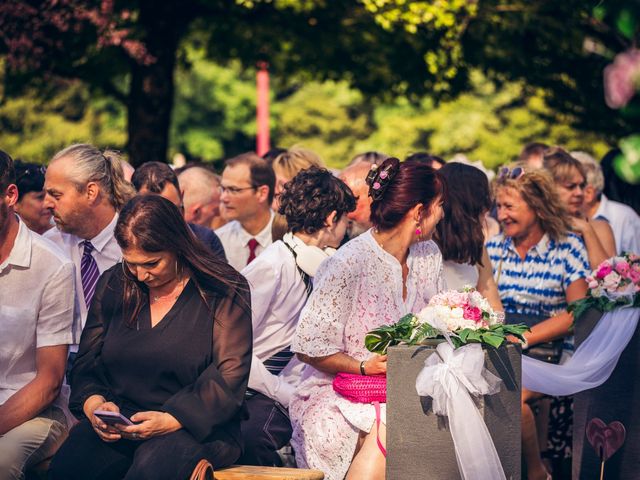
(622, 268)
(620, 78)
(472, 313)
(634, 276)
(593, 284)
(604, 270)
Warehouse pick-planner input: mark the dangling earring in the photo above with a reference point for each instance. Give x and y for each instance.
(418, 229)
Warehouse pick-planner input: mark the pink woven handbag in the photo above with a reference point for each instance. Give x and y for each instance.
(364, 389)
(361, 388)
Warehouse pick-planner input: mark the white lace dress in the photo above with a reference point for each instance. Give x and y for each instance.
(356, 290)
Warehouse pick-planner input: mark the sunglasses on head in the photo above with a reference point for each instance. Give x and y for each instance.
(507, 173)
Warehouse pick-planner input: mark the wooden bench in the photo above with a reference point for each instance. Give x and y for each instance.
(245, 472)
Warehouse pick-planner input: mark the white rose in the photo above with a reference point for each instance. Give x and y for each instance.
(610, 282)
(431, 316)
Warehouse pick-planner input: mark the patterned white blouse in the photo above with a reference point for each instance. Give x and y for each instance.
(356, 290)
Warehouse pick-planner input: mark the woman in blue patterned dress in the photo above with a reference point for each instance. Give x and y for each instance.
(540, 267)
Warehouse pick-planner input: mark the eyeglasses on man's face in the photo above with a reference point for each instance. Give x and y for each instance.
(234, 190)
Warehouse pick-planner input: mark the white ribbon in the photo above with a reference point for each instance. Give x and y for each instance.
(449, 377)
(593, 361)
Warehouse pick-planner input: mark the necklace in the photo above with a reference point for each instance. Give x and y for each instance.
(158, 298)
(169, 296)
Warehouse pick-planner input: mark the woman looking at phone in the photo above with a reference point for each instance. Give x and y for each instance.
(167, 344)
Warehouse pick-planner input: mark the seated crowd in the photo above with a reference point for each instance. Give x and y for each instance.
(154, 318)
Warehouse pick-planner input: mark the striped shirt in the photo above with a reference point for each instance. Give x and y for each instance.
(537, 285)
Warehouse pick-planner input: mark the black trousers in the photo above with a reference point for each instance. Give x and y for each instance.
(266, 431)
(84, 456)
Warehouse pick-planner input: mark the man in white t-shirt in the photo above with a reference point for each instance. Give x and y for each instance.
(246, 192)
(36, 315)
(85, 188)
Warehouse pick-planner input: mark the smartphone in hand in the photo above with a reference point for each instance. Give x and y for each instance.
(112, 418)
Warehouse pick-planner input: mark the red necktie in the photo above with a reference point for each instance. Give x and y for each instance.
(252, 244)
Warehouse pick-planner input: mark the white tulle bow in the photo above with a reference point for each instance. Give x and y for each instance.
(592, 363)
(450, 376)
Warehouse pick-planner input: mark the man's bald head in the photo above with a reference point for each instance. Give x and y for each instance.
(201, 193)
(355, 177)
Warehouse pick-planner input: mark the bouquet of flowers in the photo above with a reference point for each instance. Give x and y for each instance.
(615, 283)
(465, 316)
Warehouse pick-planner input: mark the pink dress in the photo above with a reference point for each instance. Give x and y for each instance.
(356, 290)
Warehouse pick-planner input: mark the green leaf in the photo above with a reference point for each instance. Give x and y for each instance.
(626, 23)
(599, 12)
(464, 334)
(378, 343)
(474, 335)
(492, 339)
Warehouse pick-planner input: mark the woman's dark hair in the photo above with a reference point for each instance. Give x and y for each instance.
(154, 176)
(311, 196)
(425, 158)
(459, 234)
(29, 177)
(408, 185)
(154, 224)
(272, 154)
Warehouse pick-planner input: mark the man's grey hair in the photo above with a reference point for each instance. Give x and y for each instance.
(89, 164)
(199, 185)
(593, 170)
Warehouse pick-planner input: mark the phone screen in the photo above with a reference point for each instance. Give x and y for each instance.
(112, 418)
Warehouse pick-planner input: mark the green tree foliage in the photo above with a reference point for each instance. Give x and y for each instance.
(214, 112)
(328, 118)
(214, 118)
(101, 41)
(384, 48)
(34, 127)
(489, 123)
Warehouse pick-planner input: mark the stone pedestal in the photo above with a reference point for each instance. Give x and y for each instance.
(616, 399)
(419, 443)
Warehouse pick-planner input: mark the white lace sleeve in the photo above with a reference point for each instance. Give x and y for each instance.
(434, 281)
(320, 330)
(441, 283)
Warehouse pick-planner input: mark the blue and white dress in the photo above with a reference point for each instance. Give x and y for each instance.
(537, 285)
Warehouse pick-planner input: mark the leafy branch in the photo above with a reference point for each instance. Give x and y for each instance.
(410, 332)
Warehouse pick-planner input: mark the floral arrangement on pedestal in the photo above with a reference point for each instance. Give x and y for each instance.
(614, 284)
(464, 316)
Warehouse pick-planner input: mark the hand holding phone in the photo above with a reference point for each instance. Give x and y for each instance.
(112, 418)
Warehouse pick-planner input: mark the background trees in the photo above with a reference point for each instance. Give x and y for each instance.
(346, 76)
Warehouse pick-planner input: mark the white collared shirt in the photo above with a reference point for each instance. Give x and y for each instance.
(106, 252)
(278, 294)
(36, 307)
(624, 222)
(234, 239)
